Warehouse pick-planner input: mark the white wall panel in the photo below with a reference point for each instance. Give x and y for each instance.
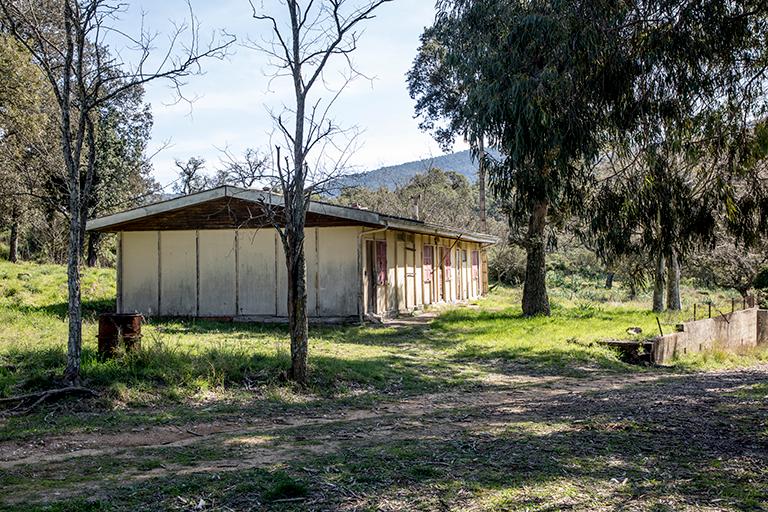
(339, 277)
(281, 279)
(256, 272)
(139, 272)
(217, 273)
(178, 273)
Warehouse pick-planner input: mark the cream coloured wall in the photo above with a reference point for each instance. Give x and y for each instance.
(139, 272)
(218, 282)
(311, 243)
(281, 279)
(224, 273)
(227, 273)
(178, 273)
(256, 272)
(339, 276)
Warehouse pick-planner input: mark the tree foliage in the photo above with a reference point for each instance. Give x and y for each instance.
(663, 88)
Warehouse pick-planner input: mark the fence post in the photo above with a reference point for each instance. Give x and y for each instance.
(709, 309)
(694, 311)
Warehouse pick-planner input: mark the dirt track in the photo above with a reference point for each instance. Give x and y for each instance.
(670, 427)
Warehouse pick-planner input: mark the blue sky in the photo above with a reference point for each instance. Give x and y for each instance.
(232, 96)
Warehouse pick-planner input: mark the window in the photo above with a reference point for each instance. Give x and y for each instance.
(381, 262)
(475, 265)
(428, 259)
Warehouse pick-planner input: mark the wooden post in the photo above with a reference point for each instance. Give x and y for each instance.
(733, 305)
(694, 311)
(709, 309)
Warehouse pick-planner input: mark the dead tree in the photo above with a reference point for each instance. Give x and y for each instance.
(68, 40)
(305, 38)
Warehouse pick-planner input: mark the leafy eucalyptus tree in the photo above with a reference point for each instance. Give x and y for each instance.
(558, 87)
(541, 81)
(691, 158)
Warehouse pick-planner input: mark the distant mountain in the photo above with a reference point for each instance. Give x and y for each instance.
(391, 177)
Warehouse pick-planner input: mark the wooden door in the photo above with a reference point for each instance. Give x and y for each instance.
(428, 273)
(459, 285)
(370, 276)
(410, 276)
(440, 275)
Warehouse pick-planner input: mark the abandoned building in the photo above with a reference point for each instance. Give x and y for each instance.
(216, 254)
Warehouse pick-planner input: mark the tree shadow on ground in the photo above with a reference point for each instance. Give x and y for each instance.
(668, 445)
(91, 309)
(693, 442)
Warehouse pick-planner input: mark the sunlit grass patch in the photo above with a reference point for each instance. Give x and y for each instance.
(201, 361)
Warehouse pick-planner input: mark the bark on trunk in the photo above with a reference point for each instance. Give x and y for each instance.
(658, 285)
(92, 254)
(297, 295)
(74, 342)
(609, 280)
(13, 242)
(535, 299)
(673, 283)
(482, 171)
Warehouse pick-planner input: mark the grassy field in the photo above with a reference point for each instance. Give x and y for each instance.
(188, 360)
(466, 410)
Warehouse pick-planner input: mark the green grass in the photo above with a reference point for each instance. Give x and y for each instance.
(497, 442)
(191, 359)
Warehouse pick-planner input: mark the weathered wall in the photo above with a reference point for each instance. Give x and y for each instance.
(139, 272)
(178, 273)
(256, 272)
(339, 282)
(733, 332)
(762, 327)
(406, 288)
(227, 273)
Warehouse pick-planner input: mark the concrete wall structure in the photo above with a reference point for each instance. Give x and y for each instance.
(740, 330)
(241, 274)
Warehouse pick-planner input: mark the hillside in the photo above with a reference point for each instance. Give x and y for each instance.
(392, 176)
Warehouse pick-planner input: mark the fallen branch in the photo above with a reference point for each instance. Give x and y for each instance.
(44, 396)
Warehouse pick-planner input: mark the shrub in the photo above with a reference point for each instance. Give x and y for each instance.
(761, 280)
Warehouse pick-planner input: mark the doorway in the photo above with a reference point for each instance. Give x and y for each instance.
(376, 275)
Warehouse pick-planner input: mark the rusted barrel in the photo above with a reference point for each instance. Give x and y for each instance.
(115, 328)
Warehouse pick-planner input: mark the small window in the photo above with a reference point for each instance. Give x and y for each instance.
(475, 265)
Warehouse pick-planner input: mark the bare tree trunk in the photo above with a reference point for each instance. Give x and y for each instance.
(13, 242)
(481, 178)
(92, 254)
(297, 306)
(658, 285)
(535, 298)
(609, 280)
(673, 283)
(74, 341)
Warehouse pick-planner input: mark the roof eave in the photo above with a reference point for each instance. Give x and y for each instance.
(364, 217)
